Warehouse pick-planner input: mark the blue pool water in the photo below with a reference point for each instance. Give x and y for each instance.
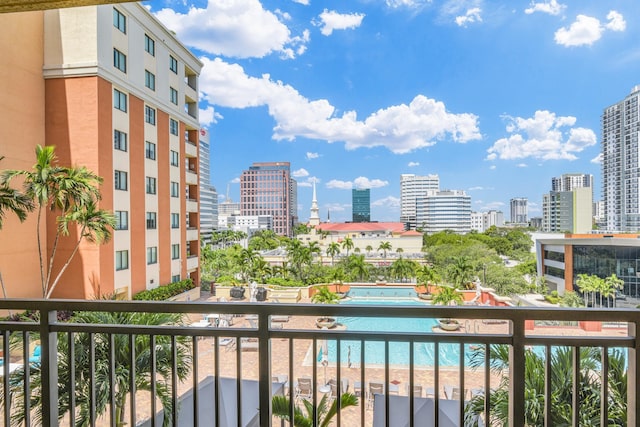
(449, 354)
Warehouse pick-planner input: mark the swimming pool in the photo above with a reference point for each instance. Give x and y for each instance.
(424, 353)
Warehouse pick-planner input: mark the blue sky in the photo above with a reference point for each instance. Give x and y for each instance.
(496, 97)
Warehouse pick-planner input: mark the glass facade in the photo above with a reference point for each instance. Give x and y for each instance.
(361, 205)
(603, 261)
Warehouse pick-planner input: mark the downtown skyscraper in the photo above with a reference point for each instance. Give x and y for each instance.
(620, 164)
(411, 187)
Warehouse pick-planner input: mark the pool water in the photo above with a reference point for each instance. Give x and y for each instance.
(424, 353)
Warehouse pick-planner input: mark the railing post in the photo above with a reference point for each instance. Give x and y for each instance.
(517, 373)
(264, 374)
(49, 368)
(633, 385)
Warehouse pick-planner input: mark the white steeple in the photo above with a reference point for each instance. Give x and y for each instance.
(314, 218)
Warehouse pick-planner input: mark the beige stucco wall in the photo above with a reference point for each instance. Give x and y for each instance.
(21, 128)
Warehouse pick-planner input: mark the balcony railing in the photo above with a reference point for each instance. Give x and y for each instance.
(174, 359)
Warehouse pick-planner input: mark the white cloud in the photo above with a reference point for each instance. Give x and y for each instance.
(542, 137)
(586, 30)
(400, 128)
(409, 4)
(208, 116)
(340, 185)
(552, 7)
(472, 15)
(597, 159)
(387, 202)
(331, 20)
(235, 180)
(362, 182)
(305, 184)
(477, 188)
(308, 182)
(522, 165)
(336, 207)
(303, 2)
(235, 28)
(300, 173)
(413, 164)
(311, 155)
(491, 206)
(492, 167)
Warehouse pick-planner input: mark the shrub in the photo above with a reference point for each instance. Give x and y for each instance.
(163, 293)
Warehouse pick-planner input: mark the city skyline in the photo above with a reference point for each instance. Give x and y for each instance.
(354, 95)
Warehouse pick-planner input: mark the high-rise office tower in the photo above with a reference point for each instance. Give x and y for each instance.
(569, 181)
(361, 205)
(114, 91)
(519, 210)
(444, 210)
(621, 164)
(208, 194)
(267, 189)
(411, 187)
(567, 211)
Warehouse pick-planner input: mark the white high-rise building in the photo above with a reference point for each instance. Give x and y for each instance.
(208, 194)
(519, 210)
(621, 164)
(444, 210)
(411, 187)
(481, 221)
(569, 181)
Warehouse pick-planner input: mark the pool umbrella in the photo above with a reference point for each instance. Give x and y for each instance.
(423, 409)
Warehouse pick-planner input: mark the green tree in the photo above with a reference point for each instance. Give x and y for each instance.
(427, 275)
(264, 240)
(13, 201)
(245, 259)
(280, 406)
(447, 296)
(72, 193)
(324, 296)
(460, 272)
(384, 247)
(347, 244)
(84, 376)
(369, 248)
(358, 267)
(333, 250)
(612, 285)
(403, 268)
(561, 375)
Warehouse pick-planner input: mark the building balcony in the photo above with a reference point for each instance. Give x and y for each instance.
(190, 149)
(191, 178)
(192, 262)
(192, 234)
(277, 349)
(192, 205)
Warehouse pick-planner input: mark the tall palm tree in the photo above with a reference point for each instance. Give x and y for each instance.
(358, 266)
(245, 259)
(612, 285)
(333, 250)
(447, 296)
(347, 244)
(403, 268)
(460, 271)
(369, 248)
(280, 406)
(384, 247)
(67, 191)
(100, 375)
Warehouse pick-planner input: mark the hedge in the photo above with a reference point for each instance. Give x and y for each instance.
(163, 293)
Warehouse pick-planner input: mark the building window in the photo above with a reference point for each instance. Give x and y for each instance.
(173, 96)
(175, 189)
(119, 60)
(152, 255)
(119, 100)
(175, 158)
(173, 127)
(173, 64)
(119, 140)
(149, 45)
(149, 80)
(149, 115)
(122, 260)
(175, 220)
(121, 180)
(151, 220)
(175, 278)
(151, 185)
(122, 220)
(119, 20)
(175, 251)
(150, 150)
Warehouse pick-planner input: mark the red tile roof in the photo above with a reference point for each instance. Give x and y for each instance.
(354, 227)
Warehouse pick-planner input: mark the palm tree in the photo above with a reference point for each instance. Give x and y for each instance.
(588, 284)
(369, 248)
(384, 246)
(460, 271)
(561, 374)
(245, 259)
(448, 296)
(280, 406)
(333, 250)
(12, 200)
(73, 192)
(347, 244)
(612, 285)
(358, 266)
(85, 376)
(403, 268)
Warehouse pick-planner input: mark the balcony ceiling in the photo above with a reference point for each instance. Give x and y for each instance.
(28, 5)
